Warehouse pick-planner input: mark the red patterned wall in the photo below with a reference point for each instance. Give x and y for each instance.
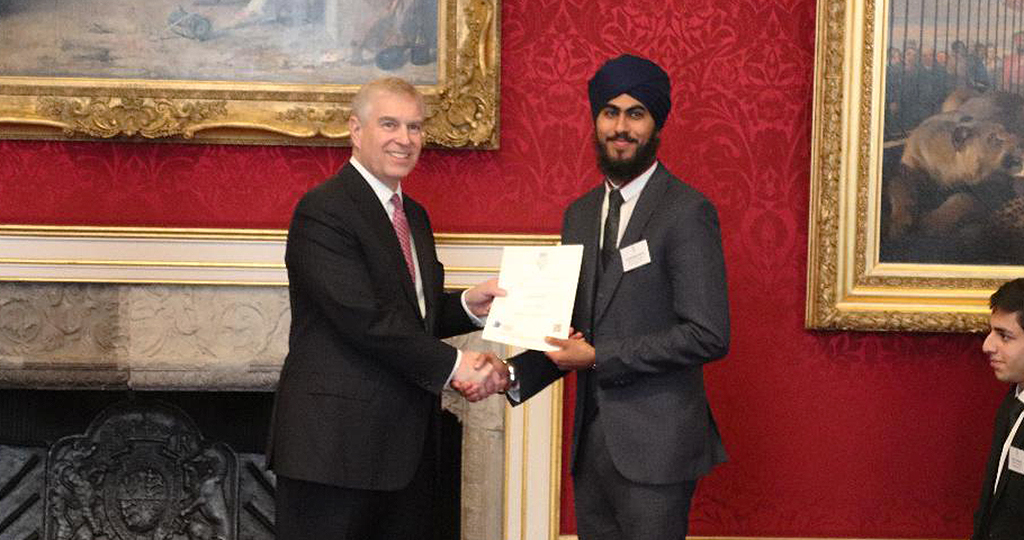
(830, 434)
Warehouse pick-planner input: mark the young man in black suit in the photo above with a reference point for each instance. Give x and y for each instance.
(1000, 514)
(353, 433)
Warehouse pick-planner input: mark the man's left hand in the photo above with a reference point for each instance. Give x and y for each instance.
(574, 353)
(479, 298)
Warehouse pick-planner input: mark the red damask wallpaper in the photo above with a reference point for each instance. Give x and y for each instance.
(830, 434)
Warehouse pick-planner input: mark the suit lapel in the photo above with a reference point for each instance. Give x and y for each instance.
(377, 219)
(587, 232)
(649, 198)
(645, 205)
(1018, 438)
(422, 236)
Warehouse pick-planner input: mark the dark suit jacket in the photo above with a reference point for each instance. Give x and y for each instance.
(364, 369)
(1000, 515)
(653, 328)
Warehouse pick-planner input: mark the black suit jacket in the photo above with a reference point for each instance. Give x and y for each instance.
(364, 368)
(1000, 515)
(653, 328)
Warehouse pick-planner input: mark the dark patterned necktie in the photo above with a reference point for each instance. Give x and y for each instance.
(401, 225)
(611, 229)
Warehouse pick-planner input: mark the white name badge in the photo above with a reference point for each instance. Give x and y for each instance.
(1016, 460)
(635, 256)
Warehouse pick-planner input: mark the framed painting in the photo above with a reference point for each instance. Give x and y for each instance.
(917, 174)
(243, 71)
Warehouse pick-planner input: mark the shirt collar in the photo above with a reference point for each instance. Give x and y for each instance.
(382, 191)
(633, 189)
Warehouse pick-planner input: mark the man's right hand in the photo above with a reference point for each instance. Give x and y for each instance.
(479, 375)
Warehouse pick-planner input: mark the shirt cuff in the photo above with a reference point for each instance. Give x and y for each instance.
(458, 360)
(478, 321)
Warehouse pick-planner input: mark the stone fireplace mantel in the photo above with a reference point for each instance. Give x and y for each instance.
(205, 338)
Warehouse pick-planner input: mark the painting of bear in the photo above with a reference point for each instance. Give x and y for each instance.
(957, 170)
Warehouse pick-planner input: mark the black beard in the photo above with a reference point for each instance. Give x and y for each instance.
(622, 171)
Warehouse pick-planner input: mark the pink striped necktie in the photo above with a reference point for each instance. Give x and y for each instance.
(401, 225)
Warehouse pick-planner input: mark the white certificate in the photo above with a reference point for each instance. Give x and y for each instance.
(541, 286)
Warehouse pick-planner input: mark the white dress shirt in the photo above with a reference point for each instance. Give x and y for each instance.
(1009, 440)
(384, 194)
(630, 194)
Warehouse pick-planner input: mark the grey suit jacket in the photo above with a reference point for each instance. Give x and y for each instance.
(653, 328)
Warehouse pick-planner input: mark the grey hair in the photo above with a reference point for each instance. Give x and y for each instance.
(363, 98)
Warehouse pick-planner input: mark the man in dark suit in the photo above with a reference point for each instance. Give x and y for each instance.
(651, 308)
(353, 433)
(1000, 514)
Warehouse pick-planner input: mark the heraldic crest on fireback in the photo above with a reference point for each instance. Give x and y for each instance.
(142, 471)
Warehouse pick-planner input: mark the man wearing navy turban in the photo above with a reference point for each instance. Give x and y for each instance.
(651, 310)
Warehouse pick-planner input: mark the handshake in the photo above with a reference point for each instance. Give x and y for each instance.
(479, 375)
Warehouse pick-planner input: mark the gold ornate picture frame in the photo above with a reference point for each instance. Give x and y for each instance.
(848, 287)
(462, 101)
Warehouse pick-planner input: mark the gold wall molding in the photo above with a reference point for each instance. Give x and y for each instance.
(533, 442)
(47, 253)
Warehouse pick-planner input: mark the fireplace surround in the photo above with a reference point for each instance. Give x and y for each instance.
(74, 356)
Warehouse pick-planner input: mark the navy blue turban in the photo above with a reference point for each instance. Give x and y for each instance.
(642, 79)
